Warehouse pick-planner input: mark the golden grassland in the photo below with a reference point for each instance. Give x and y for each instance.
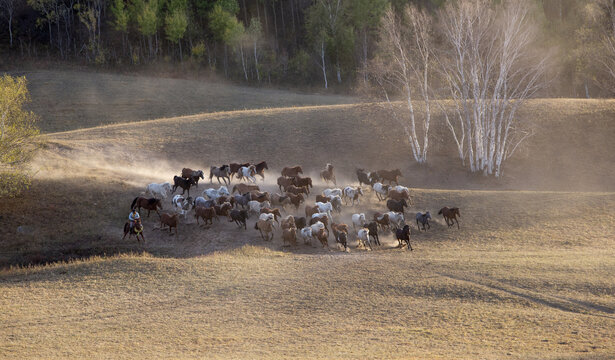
(528, 276)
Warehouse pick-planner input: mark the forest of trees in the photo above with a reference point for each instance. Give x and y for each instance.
(304, 42)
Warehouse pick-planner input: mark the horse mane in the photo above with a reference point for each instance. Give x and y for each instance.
(133, 203)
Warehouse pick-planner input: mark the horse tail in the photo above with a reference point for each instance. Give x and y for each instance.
(211, 172)
(133, 203)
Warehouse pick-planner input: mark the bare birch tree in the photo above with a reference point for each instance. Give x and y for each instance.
(491, 70)
(404, 67)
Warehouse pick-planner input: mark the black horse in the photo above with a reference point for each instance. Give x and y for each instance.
(403, 236)
(185, 184)
(373, 231)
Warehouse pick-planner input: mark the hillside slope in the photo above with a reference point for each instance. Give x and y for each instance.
(67, 100)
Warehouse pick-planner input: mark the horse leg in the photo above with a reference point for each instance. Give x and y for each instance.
(456, 222)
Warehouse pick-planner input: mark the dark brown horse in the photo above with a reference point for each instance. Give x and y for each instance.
(292, 171)
(235, 168)
(137, 230)
(306, 181)
(185, 184)
(389, 175)
(260, 169)
(450, 215)
(147, 204)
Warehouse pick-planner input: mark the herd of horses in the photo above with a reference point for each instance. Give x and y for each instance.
(246, 199)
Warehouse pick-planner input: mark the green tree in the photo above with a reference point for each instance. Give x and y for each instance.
(365, 17)
(176, 24)
(147, 20)
(18, 133)
(330, 33)
(225, 28)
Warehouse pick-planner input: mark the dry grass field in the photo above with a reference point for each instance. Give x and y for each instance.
(528, 276)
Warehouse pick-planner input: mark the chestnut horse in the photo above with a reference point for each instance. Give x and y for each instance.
(450, 215)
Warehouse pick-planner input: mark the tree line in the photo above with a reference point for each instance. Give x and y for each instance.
(311, 42)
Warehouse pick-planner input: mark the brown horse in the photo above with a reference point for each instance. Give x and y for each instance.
(207, 214)
(148, 204)
(169, 220)
(295, 199)
(328, 175)
(382, 220)
(284, 182)
(297, 190)
(136, 230)
(235, 168)
(244, 188)
(390, 176)
(450, 215)
(292, 171)
(306, 181)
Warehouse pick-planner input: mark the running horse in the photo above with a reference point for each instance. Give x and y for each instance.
(137, 230)
(450, 215)
(147, 204)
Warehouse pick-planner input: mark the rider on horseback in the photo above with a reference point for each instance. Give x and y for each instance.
(133, 217)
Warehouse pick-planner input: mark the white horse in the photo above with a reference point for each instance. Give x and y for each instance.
(306, 235)
(400, 188)
(336, 202)
(181, 205)
(335, 192)
(200, 201)
(248, 172)
(381, 190)
(363, 237)
(213, 194)
(396, 219)
(317, 227)
(158, 190)
(351, 193)
(325, 208)
(255, 206)
(358, 220)
(268, 217)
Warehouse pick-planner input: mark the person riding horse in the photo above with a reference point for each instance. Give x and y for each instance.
(133, 217)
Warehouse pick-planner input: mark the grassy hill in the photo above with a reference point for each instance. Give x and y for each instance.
(528, 275)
